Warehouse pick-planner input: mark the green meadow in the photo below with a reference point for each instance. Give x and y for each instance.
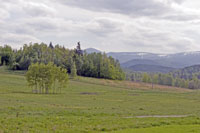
(97, 105)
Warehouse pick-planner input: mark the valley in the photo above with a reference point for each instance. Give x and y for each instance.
(97, 105)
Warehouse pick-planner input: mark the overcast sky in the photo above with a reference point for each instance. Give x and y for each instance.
(159, 26)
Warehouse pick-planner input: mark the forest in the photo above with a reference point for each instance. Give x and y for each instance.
(75, 61)
(184, 78)
(97, 65)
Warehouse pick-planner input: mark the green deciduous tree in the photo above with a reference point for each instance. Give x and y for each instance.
(44, 78)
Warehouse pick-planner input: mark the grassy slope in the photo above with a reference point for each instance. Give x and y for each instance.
(89, 105)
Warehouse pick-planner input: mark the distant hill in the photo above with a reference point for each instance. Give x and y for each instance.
(188, 72)
(150, 68)
(181, 60)
(92, 50)
(128, 56)
(153, 61)
(139, 61)
(178, 60)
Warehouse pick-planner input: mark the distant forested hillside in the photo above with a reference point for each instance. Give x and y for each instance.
(75, 61)
(150, 68)
(188, 77)
(188, 72)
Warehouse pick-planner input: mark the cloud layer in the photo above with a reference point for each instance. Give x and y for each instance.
(161, 26)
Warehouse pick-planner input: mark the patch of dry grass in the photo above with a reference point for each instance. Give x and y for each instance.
(131, 85)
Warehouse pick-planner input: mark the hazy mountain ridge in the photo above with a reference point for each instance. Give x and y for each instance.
(92, 50)
(150, 68)
(127, 56)
(178, 60)
(172, 61)
(139, 61)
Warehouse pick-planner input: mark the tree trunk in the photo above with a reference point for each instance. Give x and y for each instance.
(47, 90)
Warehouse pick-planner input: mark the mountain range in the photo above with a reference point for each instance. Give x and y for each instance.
(151, 62)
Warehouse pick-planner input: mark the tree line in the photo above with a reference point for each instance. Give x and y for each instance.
(169, 79)
(75, 61)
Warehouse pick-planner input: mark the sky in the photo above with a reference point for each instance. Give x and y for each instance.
(156, 26)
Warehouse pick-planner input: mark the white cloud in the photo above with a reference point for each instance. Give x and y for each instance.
(17, 40)
(161, 26)
(38, 9)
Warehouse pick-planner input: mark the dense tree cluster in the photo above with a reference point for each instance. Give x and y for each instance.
(188, 72)
(6, 55)
(75, 61)
(44, 78)
(169, 79)
(101, 66)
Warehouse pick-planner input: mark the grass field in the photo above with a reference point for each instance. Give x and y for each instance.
(95, 105)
